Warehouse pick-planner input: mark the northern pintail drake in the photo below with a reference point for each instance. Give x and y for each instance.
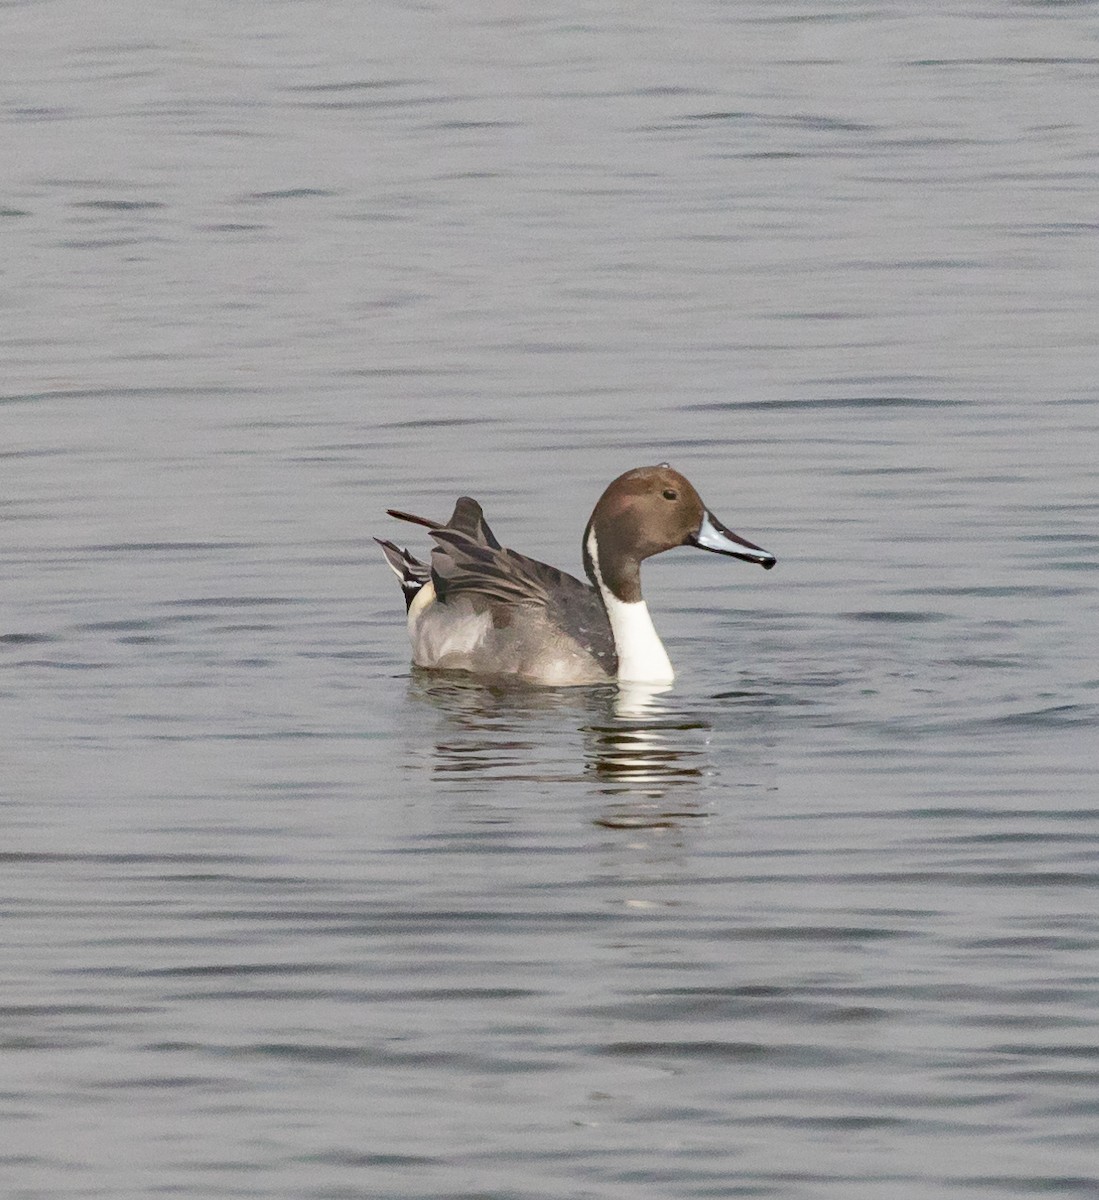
(482, 608)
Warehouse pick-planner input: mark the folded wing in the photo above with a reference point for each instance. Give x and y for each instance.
(469, 561)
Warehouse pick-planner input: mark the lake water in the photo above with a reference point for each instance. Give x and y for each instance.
(282, 918)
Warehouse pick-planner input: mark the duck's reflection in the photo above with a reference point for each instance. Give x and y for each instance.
(646, 755)
(648, 758)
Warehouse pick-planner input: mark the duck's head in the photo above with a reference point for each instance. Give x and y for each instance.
(644, 512)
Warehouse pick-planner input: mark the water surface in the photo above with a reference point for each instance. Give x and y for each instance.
(285, 918)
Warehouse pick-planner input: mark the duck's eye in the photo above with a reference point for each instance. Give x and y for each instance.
(671, 494)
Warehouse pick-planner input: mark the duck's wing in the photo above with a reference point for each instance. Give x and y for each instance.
(468, 561)
(495, 579)
(460, 565)
(466, 518)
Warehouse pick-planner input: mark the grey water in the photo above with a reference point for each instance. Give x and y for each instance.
(282, 917)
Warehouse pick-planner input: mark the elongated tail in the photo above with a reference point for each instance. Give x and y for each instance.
(411, 573)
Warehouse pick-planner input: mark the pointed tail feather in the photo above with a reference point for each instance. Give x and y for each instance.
(411, 517)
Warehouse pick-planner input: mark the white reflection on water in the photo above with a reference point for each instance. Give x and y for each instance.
(640, 700)
(649, 758)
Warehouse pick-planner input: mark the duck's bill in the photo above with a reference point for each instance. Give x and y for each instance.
(714, 536)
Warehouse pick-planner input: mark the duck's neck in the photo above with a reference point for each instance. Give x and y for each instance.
(641, 654)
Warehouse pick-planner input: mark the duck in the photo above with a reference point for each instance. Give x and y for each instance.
(481, 608)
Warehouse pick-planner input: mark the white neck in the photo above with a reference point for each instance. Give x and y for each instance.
(641, 654)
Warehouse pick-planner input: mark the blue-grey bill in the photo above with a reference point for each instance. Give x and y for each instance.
(714, 536)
